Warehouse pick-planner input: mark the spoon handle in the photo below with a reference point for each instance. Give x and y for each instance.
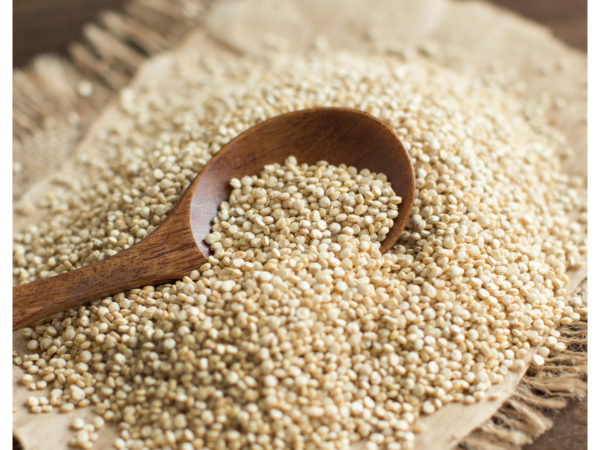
(157, 259)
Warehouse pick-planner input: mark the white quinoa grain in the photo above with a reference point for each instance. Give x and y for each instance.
(297, 322)
(538, 360)
(77, 424)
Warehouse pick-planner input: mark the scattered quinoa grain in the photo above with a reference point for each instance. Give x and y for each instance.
(538, 360)
(77, 423)
(297, 328)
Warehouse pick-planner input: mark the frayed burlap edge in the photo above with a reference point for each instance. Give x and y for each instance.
(542, 391)
(55, 99)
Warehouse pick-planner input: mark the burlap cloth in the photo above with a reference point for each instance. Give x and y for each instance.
(58, 110)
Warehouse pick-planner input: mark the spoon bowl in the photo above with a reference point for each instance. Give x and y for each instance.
(176, 247)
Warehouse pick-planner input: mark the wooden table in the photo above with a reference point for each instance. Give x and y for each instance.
(49, 25)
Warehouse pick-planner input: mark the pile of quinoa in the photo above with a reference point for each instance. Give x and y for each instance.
(298, 332)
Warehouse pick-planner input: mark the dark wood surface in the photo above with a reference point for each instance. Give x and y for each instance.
(48, 25)
(176, 247)
(569, 431)
(566, 18)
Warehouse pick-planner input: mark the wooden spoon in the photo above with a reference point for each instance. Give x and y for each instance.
(176, 247)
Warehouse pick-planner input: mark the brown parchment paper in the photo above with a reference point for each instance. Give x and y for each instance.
(248, 28)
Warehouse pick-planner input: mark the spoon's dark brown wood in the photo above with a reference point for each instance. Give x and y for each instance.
(176, 247)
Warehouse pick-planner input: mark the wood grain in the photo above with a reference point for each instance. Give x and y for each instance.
(49, 25)
(337, 135)
(176, 247)
(167, 254)
(568, 432)
(566, 19)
